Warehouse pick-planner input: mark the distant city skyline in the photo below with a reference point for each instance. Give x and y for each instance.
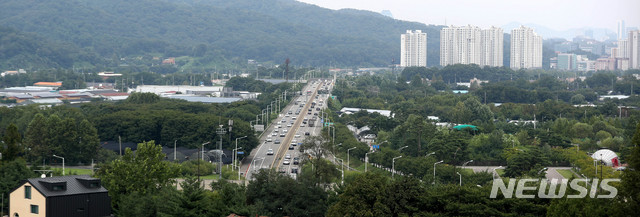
(554, 14)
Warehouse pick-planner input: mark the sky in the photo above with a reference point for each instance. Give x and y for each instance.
(555, 14)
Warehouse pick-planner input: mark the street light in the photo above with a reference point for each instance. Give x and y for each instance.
(543, 169)
(348, 160)
(430, 154)
(62, 163)
(393, 166)
(460, 178)
(236, 155)
(342, 164)
(203, 160)
(366, 161)
(465, 163)
(495, 172)
(400, 149)
(434, 171)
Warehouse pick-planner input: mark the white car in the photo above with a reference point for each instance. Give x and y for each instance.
(270, 152)
(269, 139)
(286, 162)
(297, 135)
(285, 130)
(279, 126)
(287, 157)
(288, 125)
(274, 133)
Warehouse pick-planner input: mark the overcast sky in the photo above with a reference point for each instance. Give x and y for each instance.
(555, 14)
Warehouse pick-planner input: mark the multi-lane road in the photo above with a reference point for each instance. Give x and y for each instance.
(280, 143)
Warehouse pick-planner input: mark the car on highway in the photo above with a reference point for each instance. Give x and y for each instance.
(287, 115)
(287, 157)
(284, 120)
(285, 131)
(275, 130)
(296, 160)
(269, 139)
(288, 125)
(276, 142)
(270, 151)
(297, 136)
(280, 126)
(293, 118)
(306, 133)
(286, 162)
(274, 134)
(283, 135)
(291, 147)
(294, 170)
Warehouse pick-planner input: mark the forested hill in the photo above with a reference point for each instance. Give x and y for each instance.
(269, 30)
(24, 50)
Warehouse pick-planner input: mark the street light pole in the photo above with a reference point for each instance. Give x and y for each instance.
(403, 147)
(342, 164)
(393, 166)
(348, 160)
(465, 163)
(201, 159)
(430, 154)
(460, 178)
(235, 157)
(366, 161)
(434, 171)
(62, 163)
(495, 172)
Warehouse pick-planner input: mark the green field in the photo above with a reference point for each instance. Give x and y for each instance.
(567, 174)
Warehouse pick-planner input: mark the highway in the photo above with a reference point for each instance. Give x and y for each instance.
(286, 130)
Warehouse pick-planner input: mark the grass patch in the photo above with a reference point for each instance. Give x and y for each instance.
(567, 174)
(71, 171)
(500, 172)
(466, 171)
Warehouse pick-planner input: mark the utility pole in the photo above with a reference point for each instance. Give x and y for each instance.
(221, 131)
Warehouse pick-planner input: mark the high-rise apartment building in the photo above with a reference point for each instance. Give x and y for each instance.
(623, 49)
(526, 48)
(493, 47)
(633, 46)
(471, 45)
(621, 30)
(413, 49)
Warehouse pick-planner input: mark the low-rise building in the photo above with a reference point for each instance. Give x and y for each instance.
(65, 196)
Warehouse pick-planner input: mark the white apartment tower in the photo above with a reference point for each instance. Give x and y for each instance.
(621, 30)
(526, 48)
(471, 45)
(633, 48)
(493, 47)
(623, 49)
(413, 49)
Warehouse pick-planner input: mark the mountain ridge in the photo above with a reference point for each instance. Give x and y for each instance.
(270, 30)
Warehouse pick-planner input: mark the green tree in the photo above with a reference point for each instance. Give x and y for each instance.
(88, 141)
(630, 186)
(142, 172)
(365, 196)
(143, 98)
(36, 139)
(11, 174)
(13, 142)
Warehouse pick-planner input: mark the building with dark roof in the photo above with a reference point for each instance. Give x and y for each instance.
(64, 196)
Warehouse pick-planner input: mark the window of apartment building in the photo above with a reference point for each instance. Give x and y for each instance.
(34, 209)
(27, 192)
